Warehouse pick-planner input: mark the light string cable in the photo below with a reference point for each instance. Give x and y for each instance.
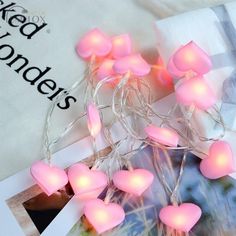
(123, 105)
(143, 111)
(47, 143)
(123, 93)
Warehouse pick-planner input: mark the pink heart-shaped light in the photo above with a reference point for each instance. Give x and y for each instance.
(163, 136)
(49, 178)
(95, 42)
(182, 217)
(121, 46)
(86, 183)
(173, 70)
(134, 182)
(93, 120)
(133, 63)
(106, 69)
(219, 162)
(103, 216)
(190, 57)
(163, 74)
(196, 92)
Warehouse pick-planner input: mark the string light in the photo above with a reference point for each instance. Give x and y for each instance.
(95, 42)
(106, 69)
(121, 46)
(162, 74)
(103, 216)
(189, 58)
(133, 181)
(195, 91)
(219, 162)
(182, 217)
(133, 63)
(86, 183)
(163, 136)
(49, 178)
(109, 59)
(93, 120)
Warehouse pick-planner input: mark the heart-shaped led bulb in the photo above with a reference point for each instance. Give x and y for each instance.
(93, 120)
(190, 57)
(134, 182)
(133, 63)
(219, 162)
(182, 217)
(121, 46)
(106, 69)
(86, 183)
(49, 178)
(195, 92)
(103, 216)
(95, 42)
(173, 70)
(162, 73)
(163, 136)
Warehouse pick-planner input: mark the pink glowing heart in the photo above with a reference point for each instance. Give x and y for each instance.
(121, 46)
(190, 57)
(106, 69)
(163, 136)
(182, 217)
(133, 182)
(219, 162)
(103, 216)
(133, 63)
(163, 74)
(173, 70)
(49, 178)
(195, 92)
(86, 183)
(93, 120)
(95, 42)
